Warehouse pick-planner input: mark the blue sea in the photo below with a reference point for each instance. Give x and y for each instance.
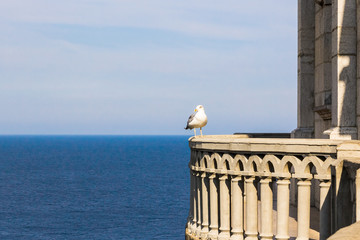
(93, 187)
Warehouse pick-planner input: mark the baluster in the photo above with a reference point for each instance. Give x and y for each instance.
(251, 209)
(198, 183)
(266, 209)
(224, 208)
(325, 208)
(195, 211)
(282, 227)
(213, 233)
(205, 206)
(303, 208)
(237, 213)
(191, 212)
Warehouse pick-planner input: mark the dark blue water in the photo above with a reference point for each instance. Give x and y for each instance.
(97, 187)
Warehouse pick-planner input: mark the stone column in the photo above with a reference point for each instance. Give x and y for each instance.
(282, 227)
(213, 233)
(224, 208)
(303, 218)
(198, 223)
(266, 209)
(251, 209)
(205, 206)
(306, 66)
(344, 84)
(322, 89)
(237, 204)
(325, 209)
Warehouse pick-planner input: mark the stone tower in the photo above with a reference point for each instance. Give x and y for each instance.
(328, 69)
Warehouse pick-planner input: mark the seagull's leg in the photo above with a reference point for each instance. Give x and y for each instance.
(201, 131)
(194, 132)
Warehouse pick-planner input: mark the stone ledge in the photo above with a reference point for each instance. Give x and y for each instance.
(264, 135)
(264, 145)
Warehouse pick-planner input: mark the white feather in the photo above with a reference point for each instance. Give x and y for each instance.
(199, 120)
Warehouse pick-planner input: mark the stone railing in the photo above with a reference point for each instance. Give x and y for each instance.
(237, 182)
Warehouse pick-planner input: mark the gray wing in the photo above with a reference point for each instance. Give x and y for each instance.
(192, 116)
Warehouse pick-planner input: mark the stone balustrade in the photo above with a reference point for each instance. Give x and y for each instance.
(236, 183)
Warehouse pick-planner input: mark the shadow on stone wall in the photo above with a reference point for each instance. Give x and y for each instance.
(346, 91)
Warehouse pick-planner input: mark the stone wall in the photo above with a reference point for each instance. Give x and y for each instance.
(328, 69)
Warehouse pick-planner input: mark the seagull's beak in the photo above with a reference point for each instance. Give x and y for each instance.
(195, 110)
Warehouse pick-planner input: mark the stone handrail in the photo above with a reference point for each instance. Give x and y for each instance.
(230, 174)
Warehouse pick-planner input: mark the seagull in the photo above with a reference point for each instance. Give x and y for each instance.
(197, 120)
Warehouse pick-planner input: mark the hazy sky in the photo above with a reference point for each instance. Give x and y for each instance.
(141, 66)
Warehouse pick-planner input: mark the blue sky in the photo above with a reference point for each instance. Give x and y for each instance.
(141, 67)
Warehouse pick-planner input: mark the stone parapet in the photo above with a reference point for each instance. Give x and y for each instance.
(235, 173)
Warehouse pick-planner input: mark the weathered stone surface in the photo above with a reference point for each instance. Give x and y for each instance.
(306, 14)
(303, 133)
(235, 143)
(319, 23)
(349, 233)
(306, 65)
(344, 41)
(236, 164)
(344, 13)
(358, 124)
(328, 61)
(344, 91)
(349, 150)
(319, 50)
